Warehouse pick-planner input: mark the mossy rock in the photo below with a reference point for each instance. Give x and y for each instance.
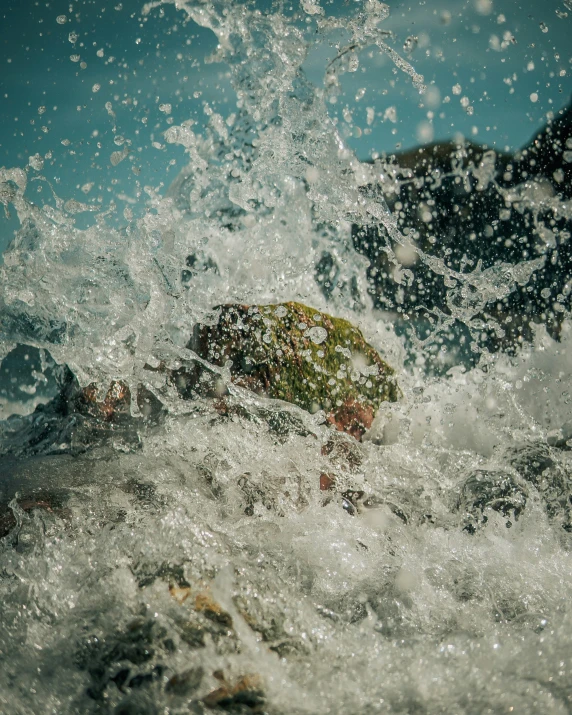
(288, 351)
(296, 353)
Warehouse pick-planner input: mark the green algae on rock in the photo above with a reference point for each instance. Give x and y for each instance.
(288, 351)
(298, 354)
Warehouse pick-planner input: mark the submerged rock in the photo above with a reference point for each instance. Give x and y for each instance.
(536, 463)
(497, 490)
(52, 502)
(244, 695)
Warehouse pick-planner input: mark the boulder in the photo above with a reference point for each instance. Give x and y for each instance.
(462, 203)
(295, 353)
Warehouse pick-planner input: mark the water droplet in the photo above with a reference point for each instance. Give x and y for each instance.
(457, 89)
(390, 114)
(484, 7)
(317, 335)
(353, 62)
(410, 44)
(425, 132)
(96, 88)
(534, 97)
(61, 19)
(36, 162)
(118, 156)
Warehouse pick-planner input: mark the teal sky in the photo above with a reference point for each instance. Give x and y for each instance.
(71, 72)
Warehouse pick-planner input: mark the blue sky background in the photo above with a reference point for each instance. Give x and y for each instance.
(72, 71)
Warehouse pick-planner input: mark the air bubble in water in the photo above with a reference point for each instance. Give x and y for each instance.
(61, 19)
(543, 26)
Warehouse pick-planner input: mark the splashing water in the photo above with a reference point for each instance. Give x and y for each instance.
(191, 562)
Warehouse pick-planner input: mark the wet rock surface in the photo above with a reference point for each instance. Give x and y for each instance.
(491, 490)
(467, 206)
(297, 354)
(290, 352)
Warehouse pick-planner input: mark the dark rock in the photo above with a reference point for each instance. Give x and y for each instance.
(562, 438)
(290, 352)
(487, 489)
(186, 682)
(460, 203)
(46, 500)
(537, 464)
(122, 659)
(243, 695)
